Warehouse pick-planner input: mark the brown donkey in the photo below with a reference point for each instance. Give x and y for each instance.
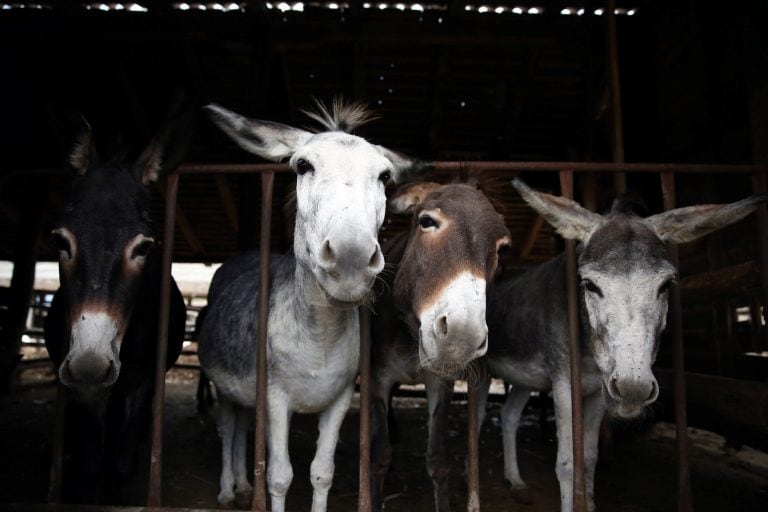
(436, 308)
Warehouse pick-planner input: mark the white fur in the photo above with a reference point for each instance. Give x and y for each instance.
(95, 331)
(462, 304)
(314, 337)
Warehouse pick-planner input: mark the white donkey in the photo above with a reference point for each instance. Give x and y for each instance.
(313, 344)
(625, 272)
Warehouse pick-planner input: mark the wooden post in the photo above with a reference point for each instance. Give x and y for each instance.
(23, 279)
(684, 500)
(617, 123)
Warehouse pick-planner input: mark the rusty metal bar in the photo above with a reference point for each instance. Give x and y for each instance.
(154, 494)
(57, 456)
(759, 186)
(617, 122)
(259, 463)
(577, 426)
(684, 502)
(364, 493)
(473, 450)
(478, 165)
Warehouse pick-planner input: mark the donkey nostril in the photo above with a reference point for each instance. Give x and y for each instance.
(614, 387)
(327, 255)
(375, 260)
(442, 325)
(654, 392)
(482, 345)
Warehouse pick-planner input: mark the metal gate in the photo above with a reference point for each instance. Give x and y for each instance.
(566, 172)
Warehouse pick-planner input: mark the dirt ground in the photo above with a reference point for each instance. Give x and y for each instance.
(640, 477)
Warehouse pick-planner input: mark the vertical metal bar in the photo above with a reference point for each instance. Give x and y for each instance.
(617, 121)
(154, 495)
(759, 187)
(364, 493)
(684, 502)
(259, 464)
(473, 453)
(57, 456)
(577, 431)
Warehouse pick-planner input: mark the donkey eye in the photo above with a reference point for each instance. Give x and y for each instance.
(592, 287)
(385, 177)
(303, 167)
(62, 244)
(427, 222)
(142, 250)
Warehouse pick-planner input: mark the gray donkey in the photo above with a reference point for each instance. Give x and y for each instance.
(313, 344)
(625, 272)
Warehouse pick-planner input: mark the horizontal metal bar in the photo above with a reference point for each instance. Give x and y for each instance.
(609, 167)
(50, 507)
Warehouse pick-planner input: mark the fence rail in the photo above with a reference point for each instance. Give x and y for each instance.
(566, 172)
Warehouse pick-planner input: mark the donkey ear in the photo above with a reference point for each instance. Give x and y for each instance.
(166, 150)
(687, 224)
(267, 139)
(83, 154)
(407, 198)
(569, 218)
(404, 167)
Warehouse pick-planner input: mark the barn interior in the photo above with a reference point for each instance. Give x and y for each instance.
(451, 81)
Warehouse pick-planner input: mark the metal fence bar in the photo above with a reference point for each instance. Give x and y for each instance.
(478, 165)
(154, 494)
(684, 503)
(667, 172)
(259, 463)
(577, 427)
(364, 492)
(473, 450)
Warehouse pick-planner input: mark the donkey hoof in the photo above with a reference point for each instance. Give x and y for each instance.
(244, 488)
(226, 497)
(521, 495)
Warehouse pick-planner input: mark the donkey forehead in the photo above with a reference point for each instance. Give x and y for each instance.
(342, 152)
(625, 245)
(465, 202)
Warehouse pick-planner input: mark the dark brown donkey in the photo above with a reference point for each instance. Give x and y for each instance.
(101, 331)
(445, 264)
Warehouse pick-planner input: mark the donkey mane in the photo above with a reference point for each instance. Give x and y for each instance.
(629, 205)
(343, 116)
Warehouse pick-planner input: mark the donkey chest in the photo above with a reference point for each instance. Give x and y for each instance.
(313, 376)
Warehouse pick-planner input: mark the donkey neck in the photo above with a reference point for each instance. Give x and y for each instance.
(311, 306)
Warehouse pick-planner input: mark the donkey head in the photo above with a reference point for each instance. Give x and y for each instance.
(105, 241)
(625, 273)
(340, 197)
(450, 258)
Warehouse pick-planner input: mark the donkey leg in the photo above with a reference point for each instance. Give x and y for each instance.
(439, 394)
(226, 433)
(242, 422)
(322, 467)
(594, 410)
(279, 469)
(510, 421)
(381, 449)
